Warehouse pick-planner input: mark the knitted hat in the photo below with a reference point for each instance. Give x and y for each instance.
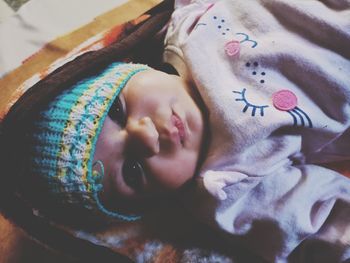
(66, 134)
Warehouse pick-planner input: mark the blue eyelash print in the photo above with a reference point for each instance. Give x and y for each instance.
(248, 39)
(297, 112)
(199, 24)
(247, 104)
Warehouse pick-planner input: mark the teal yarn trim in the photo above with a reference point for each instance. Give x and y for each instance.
(98, 177)
(114, 214)
(95, 180)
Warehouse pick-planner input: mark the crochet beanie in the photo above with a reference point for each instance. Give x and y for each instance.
(65, 137)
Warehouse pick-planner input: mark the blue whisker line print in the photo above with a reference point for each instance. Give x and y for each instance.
(295, 121)
(199, 24)
(306, 116)
(301, 114)
(247, 39)
(250, 105)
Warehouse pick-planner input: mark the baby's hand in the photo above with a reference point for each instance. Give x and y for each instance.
(215, 181)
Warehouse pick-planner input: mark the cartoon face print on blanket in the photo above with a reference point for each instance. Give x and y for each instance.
(235, 42)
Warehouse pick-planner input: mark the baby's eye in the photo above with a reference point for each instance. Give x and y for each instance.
(133, 174)
(117, 112)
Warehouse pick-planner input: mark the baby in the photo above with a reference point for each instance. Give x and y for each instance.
(276, 116)
(128, 133)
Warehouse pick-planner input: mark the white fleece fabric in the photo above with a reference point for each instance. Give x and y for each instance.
(275, 76)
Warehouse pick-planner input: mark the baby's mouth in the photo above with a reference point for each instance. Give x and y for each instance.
(178, 123)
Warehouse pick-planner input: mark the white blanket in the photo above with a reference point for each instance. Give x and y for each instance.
(275, 78)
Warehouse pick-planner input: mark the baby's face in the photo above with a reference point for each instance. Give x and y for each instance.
(151, 139)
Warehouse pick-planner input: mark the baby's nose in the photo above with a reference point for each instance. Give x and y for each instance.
(143, 136)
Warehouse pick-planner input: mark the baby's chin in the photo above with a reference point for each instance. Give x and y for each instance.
(136, 204)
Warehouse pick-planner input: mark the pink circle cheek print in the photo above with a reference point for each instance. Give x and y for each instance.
(284, 100)
(232, 48)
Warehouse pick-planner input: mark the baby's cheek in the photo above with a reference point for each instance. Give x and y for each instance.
(172, 172)
(186, 167)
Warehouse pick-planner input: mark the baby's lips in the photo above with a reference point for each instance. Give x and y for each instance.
(232, 48)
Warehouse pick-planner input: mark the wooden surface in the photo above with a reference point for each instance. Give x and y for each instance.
(16, 247)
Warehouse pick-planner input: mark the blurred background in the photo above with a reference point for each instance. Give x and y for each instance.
(15, 4)
(8, 7)
(15, 245)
